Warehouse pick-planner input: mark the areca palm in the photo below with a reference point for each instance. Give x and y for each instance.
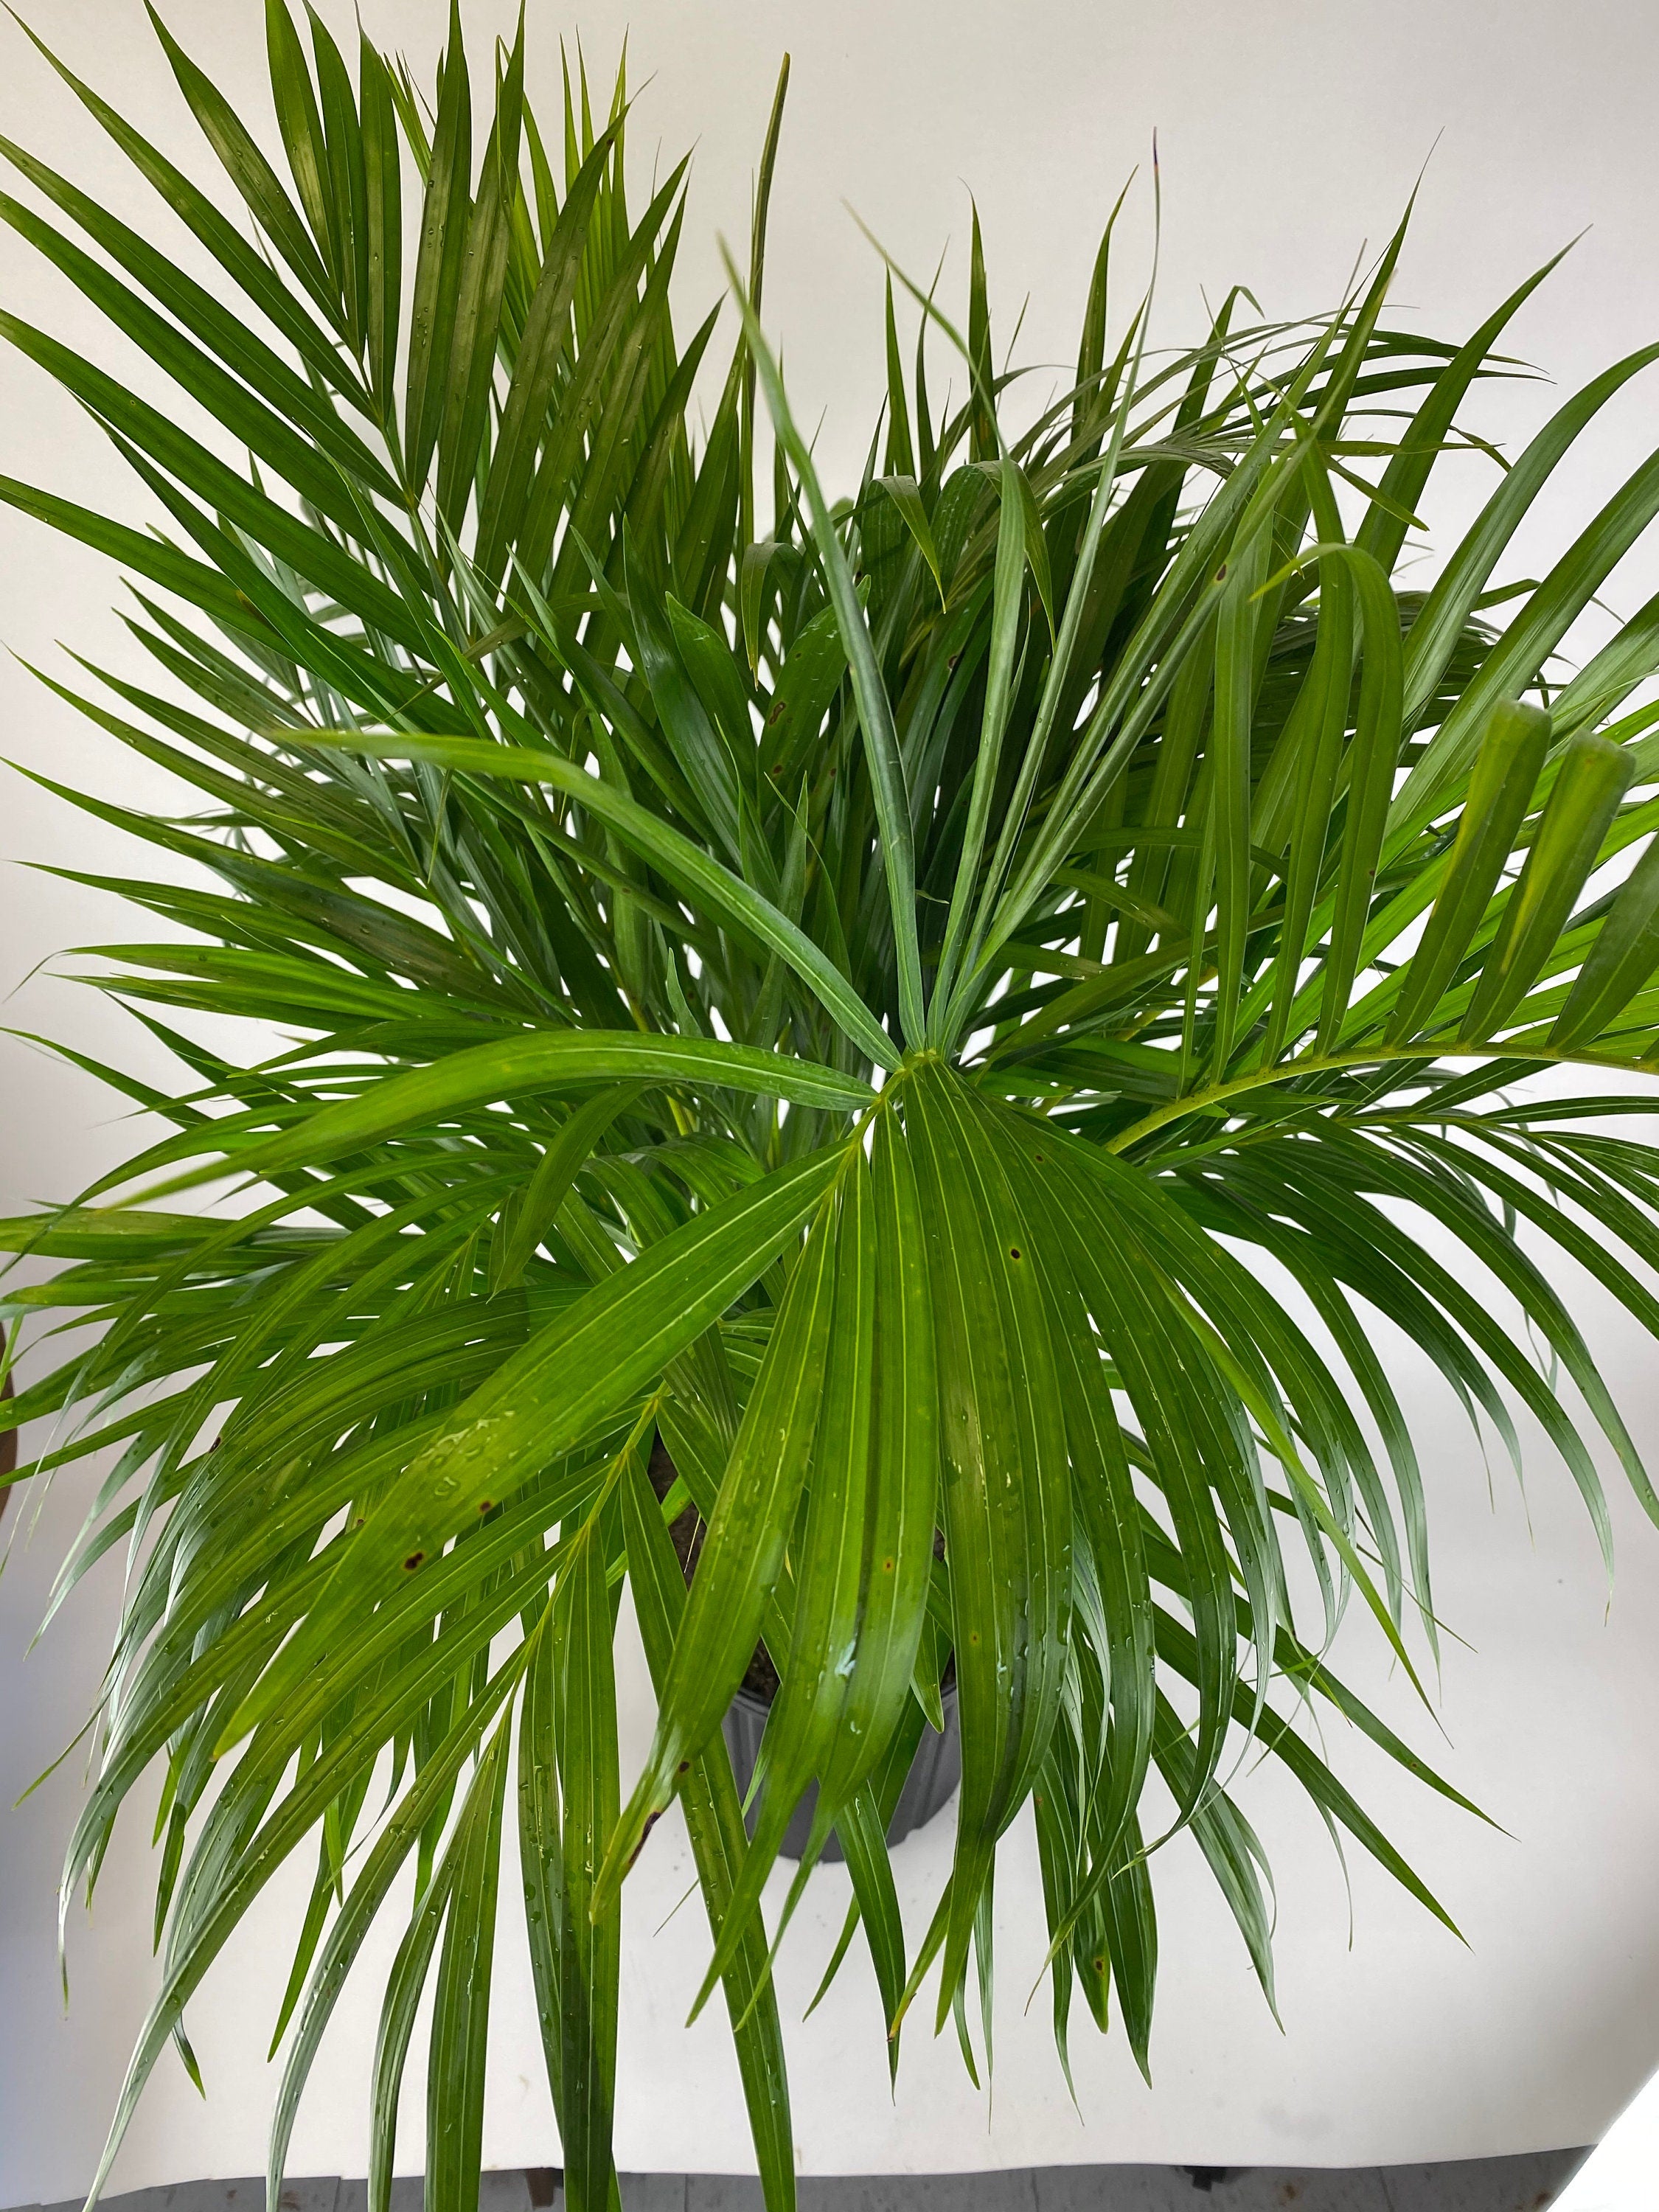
(950, 1015)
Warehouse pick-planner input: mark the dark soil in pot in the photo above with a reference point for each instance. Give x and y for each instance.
(934, 1773)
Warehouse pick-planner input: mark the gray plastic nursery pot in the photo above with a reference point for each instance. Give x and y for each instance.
(928, 1787)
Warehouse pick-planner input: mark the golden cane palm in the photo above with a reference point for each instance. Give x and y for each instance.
(945, 1014)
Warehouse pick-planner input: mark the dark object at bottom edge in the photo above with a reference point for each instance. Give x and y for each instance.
(933, 1775)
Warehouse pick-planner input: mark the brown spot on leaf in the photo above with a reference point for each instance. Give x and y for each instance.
(640, 1846)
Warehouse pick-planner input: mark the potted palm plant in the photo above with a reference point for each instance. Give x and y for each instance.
(936, 1017)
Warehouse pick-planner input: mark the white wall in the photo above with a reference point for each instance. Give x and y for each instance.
(1290, 133)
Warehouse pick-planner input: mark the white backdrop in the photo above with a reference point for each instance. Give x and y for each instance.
(1290, 133)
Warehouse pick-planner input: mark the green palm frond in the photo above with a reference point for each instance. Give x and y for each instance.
(951, 1016)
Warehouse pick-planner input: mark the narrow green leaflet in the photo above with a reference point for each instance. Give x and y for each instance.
(585, 1705)
(1624, 957)
(748, 1529)
(1590, 784)
(566, 1059)
(555, 1172)
(708, 1795)
(460, 2010)
(1500, 793)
